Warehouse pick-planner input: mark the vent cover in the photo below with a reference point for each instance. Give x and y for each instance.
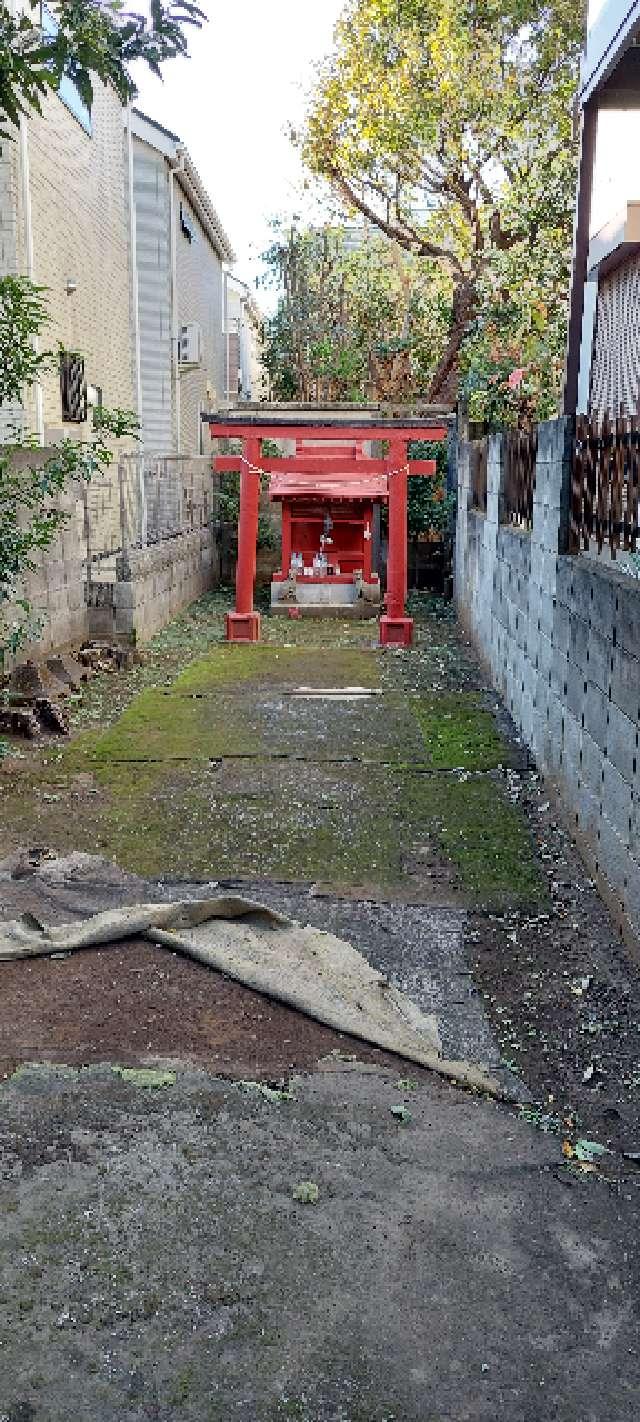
(73, 388)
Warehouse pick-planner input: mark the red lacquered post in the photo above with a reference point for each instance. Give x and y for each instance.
(396, 629)
(243, 625)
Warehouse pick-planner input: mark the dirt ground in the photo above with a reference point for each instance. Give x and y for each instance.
(462, 1263)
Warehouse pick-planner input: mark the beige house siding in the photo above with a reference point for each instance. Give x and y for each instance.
(200, 300)
(80, 223)
(11, 417)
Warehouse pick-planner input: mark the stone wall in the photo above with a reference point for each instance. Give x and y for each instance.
(55, 585)
(561, 637)
(152, 585)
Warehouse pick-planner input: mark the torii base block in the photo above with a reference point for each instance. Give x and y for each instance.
(396, 631)
(243, 627)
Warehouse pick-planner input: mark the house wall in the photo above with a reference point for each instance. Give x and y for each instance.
(200, 287)
(10, 416)
(151, 188)
(80, 223)
(561, 638)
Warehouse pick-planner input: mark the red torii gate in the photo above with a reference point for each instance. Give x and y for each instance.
(243, 625)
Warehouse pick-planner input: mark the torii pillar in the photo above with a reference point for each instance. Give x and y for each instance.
(243, 625)
(396, 629)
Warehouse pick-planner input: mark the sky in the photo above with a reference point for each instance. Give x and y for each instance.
(231, 102)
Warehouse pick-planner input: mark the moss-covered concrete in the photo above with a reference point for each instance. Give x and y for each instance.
(219, 770)
(260, 665)
(460, 733)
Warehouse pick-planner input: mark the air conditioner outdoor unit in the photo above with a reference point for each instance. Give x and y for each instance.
(190, 344)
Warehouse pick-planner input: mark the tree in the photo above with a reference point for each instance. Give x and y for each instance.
(86, 39)
(357, 318)
(447, 124)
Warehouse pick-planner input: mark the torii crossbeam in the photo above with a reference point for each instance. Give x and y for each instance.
(329, 462)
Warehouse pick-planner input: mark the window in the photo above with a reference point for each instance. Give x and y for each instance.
(68, 91)
(73, 388)
(186, 226)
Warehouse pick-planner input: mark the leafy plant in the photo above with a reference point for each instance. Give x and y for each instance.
(31, 514)
(85, 40)
(447, 125)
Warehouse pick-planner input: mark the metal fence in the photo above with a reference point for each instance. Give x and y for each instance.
(147, 499)
(605, 492)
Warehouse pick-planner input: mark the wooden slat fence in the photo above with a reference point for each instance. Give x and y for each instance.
(520, 452)
(478, 474)
(605, 493)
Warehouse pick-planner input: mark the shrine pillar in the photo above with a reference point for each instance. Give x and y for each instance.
(243, 625)
(396, 629)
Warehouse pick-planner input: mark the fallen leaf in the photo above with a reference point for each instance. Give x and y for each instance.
(401, 1113)
(307, 1192)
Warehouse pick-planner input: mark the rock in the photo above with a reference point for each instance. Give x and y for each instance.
(52, 717)
(68, 671)
(19, 721)
(29, 681)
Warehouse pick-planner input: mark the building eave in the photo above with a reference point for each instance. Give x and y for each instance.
(148, 131)
(616, 242)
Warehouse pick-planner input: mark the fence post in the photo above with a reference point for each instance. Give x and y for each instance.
(87, 529)
(142, 495)
(123, 507)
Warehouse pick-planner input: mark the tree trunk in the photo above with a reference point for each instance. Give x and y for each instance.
(446, 377)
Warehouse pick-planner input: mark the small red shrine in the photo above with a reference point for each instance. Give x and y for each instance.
(330, 488)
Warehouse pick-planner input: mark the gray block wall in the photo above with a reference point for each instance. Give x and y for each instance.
(152, 585)
(561, 638)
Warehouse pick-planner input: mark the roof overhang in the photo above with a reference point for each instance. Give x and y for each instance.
(608, 38)
(146, 130)
(616, 242)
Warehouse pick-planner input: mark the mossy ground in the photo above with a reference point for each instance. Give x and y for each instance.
(204, 764)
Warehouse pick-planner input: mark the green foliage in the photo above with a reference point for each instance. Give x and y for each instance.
(31, 514)
(23, 313)
(229, 509)
(448, 125)
(357, 318)
(90, 39)
(430, 508)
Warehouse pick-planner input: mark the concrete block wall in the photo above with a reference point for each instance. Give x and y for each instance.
(561, 636)
(152, 585)
(55, 586)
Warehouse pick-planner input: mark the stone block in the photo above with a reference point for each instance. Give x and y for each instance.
(598, 663)
(627, 600)
(634, 828)
(571, 743)
(562, 629)
(596, 708)
(591, 764)
(578, 641)
(554, 733)
(564, 581)
(543, 653)
(613, 859)
(622, 743)
(603, 615)
(616, 800)
(625, 682)
(587, 808)
(575, 690)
